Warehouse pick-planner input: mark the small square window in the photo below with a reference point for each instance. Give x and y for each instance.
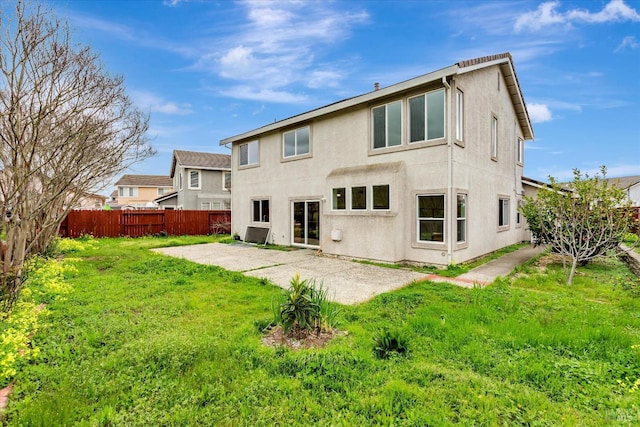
(339, 198)
(381, 197)
(296, 142)
(249, 153)
(359, 198)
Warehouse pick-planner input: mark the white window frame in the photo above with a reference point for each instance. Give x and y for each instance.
(373, 197)
(131, 191)
(262, 219)
(462, 218)
(494, 137)
(295, 133)
(443, 219)
(365, 198)
(224, 180)
(459, 115)
(504, 212)
(520, 151)
(425, 117)
(253, 154)
(386, 125)
(205, 206)
(199, 175)
(334, 206)
(180, 181)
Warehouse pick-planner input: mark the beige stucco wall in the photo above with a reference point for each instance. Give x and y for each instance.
(145, 195)
(341, 157)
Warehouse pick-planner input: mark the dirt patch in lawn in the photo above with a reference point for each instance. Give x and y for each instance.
(297, 340)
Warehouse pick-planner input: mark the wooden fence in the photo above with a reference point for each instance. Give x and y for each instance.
(145, 222)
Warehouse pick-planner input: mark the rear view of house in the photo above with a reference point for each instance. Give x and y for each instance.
(428, 170)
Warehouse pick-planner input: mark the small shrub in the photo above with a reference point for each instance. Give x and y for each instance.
(389, 342)
(304, 307)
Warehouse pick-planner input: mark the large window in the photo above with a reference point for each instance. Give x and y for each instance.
(249, 153)
(359, 198)
(461, 218)
(128, 191)
(494, 137)
(459, 115)
(431, 218)
(339, 198)
(296, 142)
(226, 181)
(503, 212)
(260, 210)
(194, 180)
(381, 197)
(387, 125)
(426, 116)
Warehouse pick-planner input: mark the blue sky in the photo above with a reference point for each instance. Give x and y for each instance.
(206, 70)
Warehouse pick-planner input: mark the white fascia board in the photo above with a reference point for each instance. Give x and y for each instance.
(347, 103)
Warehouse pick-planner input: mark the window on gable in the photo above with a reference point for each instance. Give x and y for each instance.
(249, 153)
(260, 210)
(494, 137)
(226, 181)
(459, 115)
(426, 116)
(339, 199)
(503, 212)
(194, 180)
(431, 218)
(387, 125)
(380, 197)
(359, 198)
(296, 142)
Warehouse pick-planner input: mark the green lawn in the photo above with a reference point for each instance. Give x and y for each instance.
(146, 340)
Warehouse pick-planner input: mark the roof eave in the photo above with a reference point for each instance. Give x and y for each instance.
(347, 103)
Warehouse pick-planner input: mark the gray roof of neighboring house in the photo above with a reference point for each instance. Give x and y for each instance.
(504, 60)
(624, 182)
(199, 160)
(145, 181)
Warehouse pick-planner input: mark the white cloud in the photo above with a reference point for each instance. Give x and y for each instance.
(539, 113)
(628, 42)
(547, 14)
(279, 46)
(155, 104)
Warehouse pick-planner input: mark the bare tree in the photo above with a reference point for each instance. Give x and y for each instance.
(581, 220)
(66, 127)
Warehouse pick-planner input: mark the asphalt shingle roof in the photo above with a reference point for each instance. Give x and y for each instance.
(145, 181)
(200, 160)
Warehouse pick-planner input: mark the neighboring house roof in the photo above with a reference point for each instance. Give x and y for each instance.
(504, 60)
(624, 182)
(199, 160)
(145, 181)
(534, 182)
(166, 197)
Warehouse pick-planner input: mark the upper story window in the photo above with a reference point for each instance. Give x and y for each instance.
(427, 116)
(296, 142)
(162, 191)
(520, 151)
(494, 138)
(194, 180)
(387, 125)
(249, 153)
(226, 181)
(128, 191)
(459, 115)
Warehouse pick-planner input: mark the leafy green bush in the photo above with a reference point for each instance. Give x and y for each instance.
(389, 342)
(304, 307)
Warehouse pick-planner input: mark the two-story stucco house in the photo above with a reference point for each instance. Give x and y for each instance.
(202, 181)
(139, 191)
(428, 170)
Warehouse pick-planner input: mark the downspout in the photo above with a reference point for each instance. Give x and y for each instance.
(449, 170)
